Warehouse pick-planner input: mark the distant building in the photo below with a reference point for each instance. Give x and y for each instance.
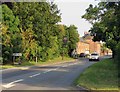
(87, 45)
(82, 47)
(94, 46)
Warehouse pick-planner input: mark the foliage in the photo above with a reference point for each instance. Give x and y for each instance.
(73, 37)
(41, 18)
(103, 47)
(105, 19)
(31, 29)
(29, 44)
(11, 39)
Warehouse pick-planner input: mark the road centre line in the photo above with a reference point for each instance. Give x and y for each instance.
(65, 65)
(48, 71)
(54, 69)
(76, 63)
(16, 81)
(51, 70)
(71, 64)
(35, 75)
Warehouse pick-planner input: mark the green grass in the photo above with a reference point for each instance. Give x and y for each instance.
(100, 76)
(26, 63)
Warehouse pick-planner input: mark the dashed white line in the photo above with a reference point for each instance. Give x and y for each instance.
(65, 66)
(47, 71)
(51, 70)
(16, 81)
(71, 64)
(35, 75)
(55, 69)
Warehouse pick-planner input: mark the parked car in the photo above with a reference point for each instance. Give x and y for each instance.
(82, 55)
(94, 56)
(87, 55)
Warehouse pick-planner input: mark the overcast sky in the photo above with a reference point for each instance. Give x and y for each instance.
(72, 10)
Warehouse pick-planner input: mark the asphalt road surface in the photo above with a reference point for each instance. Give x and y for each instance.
(52, 77)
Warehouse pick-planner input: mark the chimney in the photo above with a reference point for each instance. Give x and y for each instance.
(86, 32)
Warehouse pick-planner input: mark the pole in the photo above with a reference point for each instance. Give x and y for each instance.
(36, 55)
(63, 54)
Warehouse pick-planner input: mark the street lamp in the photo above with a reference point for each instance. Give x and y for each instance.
(65, 40)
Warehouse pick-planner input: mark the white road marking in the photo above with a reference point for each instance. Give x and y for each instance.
(55, 69)
(8, 85)
(71, 64)
(48, 71)
(35, 75)
(75, 63)
(51, 70)
(65, 66)
(11, 84)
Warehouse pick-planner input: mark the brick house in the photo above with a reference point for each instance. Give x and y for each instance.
(86, 45)
(82, 47)
(94, 46)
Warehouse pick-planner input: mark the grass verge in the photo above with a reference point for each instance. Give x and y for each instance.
(54, 61)
(100, 76)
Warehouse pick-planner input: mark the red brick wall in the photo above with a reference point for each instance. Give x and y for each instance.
(94, 46)
(82, 47)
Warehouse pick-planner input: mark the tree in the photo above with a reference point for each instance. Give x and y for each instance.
(29, 44)
(41, 18)
(105, 20)
(60, 33)
(32, 29)
(103, 48)
(11, 39)
(73, 37)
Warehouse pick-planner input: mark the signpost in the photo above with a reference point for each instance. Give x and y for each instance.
(17, 55)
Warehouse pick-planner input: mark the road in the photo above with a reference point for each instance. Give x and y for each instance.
(52, 77)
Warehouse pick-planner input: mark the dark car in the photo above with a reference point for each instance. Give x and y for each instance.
(82, 55)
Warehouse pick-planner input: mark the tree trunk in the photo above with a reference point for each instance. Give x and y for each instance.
(113, 54)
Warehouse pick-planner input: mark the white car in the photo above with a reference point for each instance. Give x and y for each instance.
(94, 56)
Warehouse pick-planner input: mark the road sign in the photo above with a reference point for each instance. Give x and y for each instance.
(17, 54)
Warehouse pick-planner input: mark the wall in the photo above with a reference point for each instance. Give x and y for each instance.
(82, 47)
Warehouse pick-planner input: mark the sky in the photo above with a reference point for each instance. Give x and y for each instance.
(72, 10)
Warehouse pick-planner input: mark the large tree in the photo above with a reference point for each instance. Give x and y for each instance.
(41, 18)
(73, 38)
(11, 40)
(32, 29)
(105, 19)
